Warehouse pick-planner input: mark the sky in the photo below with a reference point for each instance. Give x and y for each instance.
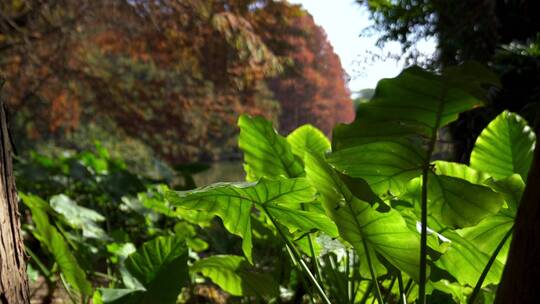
(344, 21)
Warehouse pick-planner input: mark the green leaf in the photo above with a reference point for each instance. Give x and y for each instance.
(461, 171)
(160, 265)
(117, 295)
(307, 138)
(465, 262)
(120, 251)
(386, 166)
(504, 147)
(79, 217)
(489, 232)
(234, 275)
(454, 201)
(406, 111)
(233, 203)
(511, 188)
(302, 221)
(386, 233)
(458, 292)
(266, 153)
(54, 242)
(416, 102)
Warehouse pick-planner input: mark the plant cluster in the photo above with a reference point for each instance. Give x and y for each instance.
(373, 215)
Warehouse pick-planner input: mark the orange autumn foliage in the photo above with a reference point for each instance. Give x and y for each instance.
(175, 74)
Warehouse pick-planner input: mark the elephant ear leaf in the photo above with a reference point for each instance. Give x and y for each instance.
(456, 202)
(307, 138)
(160, 265)
(465, 261)
(51, 239)
(381, 145)
(504, 147)
(360, 224)
(236, 276)
(266, 153)
(233, 203)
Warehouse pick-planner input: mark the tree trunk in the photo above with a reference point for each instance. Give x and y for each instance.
(519, 283)
(13, 279)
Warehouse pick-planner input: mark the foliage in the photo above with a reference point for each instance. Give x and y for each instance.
(490, 24)
(442, 226)
(94, 214)
(312, 88)
(371, 216)
(172, 75)
(506, 38)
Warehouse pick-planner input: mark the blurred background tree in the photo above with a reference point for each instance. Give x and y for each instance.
(169, 75)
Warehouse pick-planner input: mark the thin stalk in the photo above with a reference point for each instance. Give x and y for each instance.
(105, 276)
(340, 292)
(350, 287)
(389, 293)
(71, 296)
(302, 279)
(488, 266)
(314, 259)
(313, 256)
(38, 262)
(425, 172)
(373, 274)
(355, 274)
(303, 266)
(402, 295)
(367, 293)
(408, 287)
(423, 239)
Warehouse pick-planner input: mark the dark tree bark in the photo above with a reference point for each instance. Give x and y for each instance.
(13, 279)
(519, 283)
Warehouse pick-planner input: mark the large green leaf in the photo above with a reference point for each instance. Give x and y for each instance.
(380, 145)
(233, 203)
(461, 171)
(160, 265)
(416, 102)
(301, 221)
(386, 166)
(307, 138)
(511, 188)
(236, 276)
(504, 147)
(79, 217)
(465, 261)
(489, 233)
(454, 201)
(266, 153)
(54, 242)
(358, 222)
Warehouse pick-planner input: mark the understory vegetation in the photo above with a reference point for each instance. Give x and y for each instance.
(374, 215)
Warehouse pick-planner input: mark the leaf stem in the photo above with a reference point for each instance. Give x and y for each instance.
(315, 261)
(389, 292)
(373, 273)
(425, 172)
(46, 272)
(366, 294)
(303, 267)
(423, 239)
(485, 272)
(350, 282)
(402, 293)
